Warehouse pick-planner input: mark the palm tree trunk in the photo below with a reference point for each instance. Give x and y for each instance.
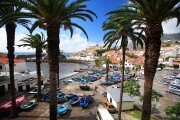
(10, 30)
(58, 74)
(53, 59)
(38, 68)
(58, 80)
(122, 77)
(152, 52)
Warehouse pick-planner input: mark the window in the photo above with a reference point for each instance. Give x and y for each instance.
(0, 67)
(110, 99)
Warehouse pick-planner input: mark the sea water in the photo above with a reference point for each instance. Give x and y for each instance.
(65, 69)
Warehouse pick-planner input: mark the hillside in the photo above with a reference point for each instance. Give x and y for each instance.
(173, 37)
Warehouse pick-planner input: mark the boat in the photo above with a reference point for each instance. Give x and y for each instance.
(6, 106)
(62, 109)
(27, 105)
(61, 99)
(74, 100)
(45, 95)
(90, 99)
(84, 102)
(60, 95)
(84, 87)
(70, 95)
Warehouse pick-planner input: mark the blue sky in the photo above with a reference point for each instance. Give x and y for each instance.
(100, 7)
(94, 29)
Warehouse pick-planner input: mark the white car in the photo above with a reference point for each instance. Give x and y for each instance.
(116, 86)
(162, 81)
(173, 89)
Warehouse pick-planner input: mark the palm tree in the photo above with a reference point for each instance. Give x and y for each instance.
(55, 14)
(10, 27)
(38, 43)
(150, 14)
(107, 62)
(117, 31)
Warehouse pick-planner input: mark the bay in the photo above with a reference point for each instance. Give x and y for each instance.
(65, 69)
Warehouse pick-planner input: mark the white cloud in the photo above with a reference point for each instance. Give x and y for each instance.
(77, 43)
(3, 42)
(170, 26)
(74, 44)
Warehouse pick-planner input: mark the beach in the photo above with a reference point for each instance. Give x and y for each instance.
(75, 112)
(66, 69)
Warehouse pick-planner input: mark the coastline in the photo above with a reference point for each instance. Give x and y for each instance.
(76, 74)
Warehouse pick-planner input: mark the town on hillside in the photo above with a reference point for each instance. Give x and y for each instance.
(91, 82)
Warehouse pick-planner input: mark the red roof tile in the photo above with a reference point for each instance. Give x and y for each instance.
(113, 60)
(6, 60)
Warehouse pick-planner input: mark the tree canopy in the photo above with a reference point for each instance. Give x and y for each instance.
(132, 87)
(173, 111)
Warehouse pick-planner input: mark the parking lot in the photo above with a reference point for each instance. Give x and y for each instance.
(168, 99)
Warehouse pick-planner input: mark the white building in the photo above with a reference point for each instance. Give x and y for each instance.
(23, 80)
(113, 96)
(19, 65)
(128, 63)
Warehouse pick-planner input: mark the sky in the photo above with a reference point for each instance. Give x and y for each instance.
(94, 29)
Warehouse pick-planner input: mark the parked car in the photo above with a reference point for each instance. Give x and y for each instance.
(110, 107)
(163, 81)
(97, 76)
(137, 78)
(115, 69)
(106, 83)
(116, 86)
(173, 89)
(176, 81)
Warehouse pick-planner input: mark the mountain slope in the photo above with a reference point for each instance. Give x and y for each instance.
(173, 37)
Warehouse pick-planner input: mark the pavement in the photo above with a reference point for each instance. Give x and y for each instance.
(168, 99)
(41, 110)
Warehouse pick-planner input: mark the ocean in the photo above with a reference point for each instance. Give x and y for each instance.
(65, 69)
(32, 53)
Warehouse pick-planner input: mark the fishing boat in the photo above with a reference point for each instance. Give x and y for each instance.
(75, 100)
(6, 106)
(62, 109)
(46, 96)
(27, 105)
(70, 95)
(84, 102)
(84, 87)
(61, 99)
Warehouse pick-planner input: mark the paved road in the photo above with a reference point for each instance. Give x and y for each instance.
(168, 99)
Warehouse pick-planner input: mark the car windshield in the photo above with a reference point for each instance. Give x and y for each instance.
(111, 106)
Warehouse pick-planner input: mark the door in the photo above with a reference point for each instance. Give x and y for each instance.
(20, 88)
(9, 86)
(2, 89)
(27, 87)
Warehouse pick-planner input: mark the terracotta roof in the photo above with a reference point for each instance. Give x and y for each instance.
(6, 60)
(176, 63)
(114, 60)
